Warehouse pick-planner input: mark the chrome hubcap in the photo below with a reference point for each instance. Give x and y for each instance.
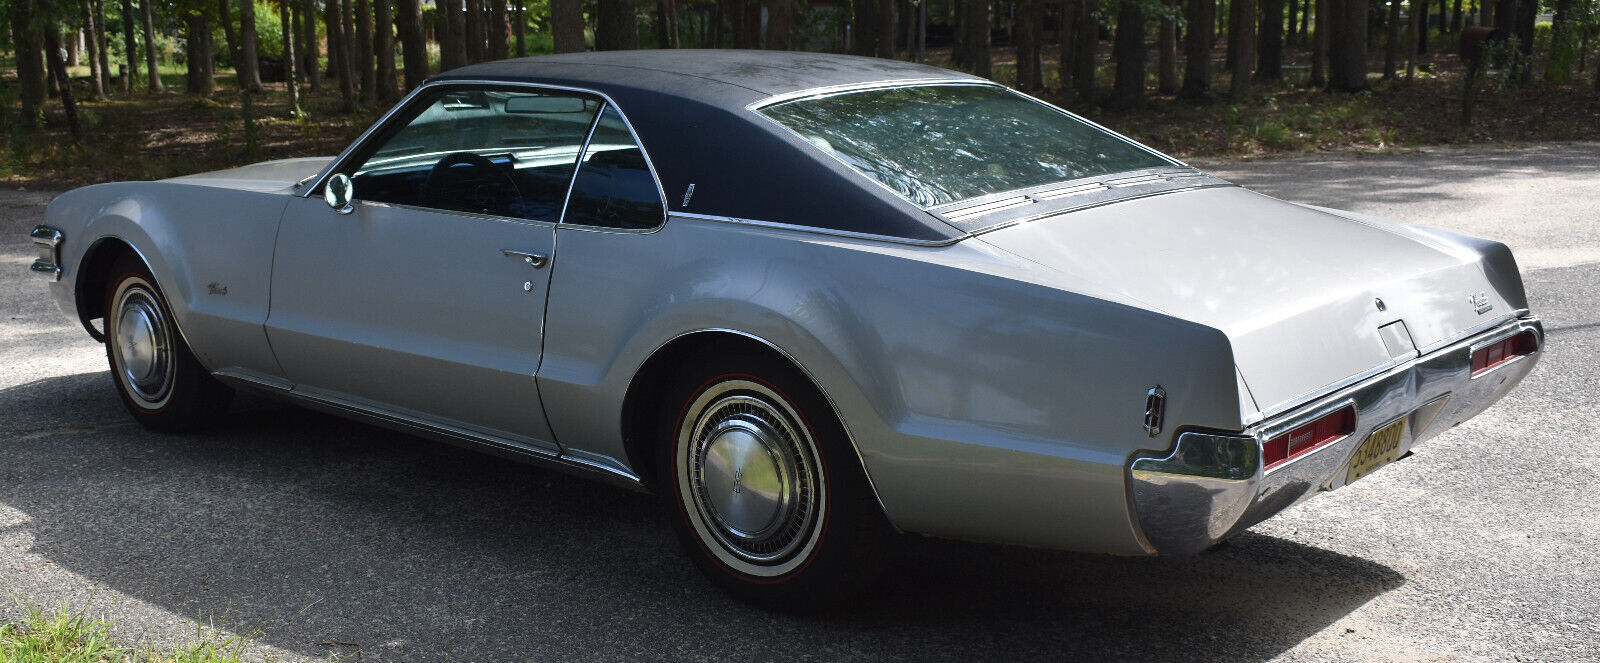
(143, 346)
(750, 478)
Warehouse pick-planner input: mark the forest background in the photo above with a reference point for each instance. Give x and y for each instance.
(97, 90)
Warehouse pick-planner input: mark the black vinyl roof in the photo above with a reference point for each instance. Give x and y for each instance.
(689, 109)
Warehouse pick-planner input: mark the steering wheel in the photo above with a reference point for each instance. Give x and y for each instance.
(470, 182)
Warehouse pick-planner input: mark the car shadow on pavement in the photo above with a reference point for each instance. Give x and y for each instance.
(327, 537)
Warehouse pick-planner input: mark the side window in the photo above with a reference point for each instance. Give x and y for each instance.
(494, 152)
(615, 188)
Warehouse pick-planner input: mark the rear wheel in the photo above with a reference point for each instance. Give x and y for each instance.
(771, 502)
(161, 383)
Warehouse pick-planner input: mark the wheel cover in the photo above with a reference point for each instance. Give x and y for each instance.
(142, 349)
(749, 478)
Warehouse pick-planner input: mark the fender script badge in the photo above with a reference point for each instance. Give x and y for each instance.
(1480, 303)
(217, 289)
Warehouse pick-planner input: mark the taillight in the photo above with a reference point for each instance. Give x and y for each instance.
(1488, 357)
(1324, 431)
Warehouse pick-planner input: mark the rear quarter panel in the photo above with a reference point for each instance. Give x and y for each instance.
(986, 402)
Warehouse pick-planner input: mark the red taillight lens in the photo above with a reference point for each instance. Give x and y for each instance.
(1495, 354)
(1325, 430)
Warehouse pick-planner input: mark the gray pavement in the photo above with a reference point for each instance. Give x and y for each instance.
(319, 537)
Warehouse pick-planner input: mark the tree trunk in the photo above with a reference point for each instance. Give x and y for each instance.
(1557, 69)
(1319, 45)
(99, 11)
(1241, 50)
(566, 25)
(332, 23)
(1130, 53)
(249, 65)
(287, 35)
(1349, 45)
(225, 17)
(1028, 38)
(866, 27)
(1417, 26)
(129, 47)
(519, 27)
(1419, 15)
(1391, 51)
(97, 83)
(472, 26)
(617, 26)
(339, 53)
(58, 70)
(780, 25)
(1527, 14)
(198, 46)
(413, 42)
(1069, 16)
(29, 44)
(885, 24)
(1085, 43)
(149, 48)
(1290, 39)
(975, 37)
(1456, 20)
(1197, 49)
(383, 34)
(366, 62)
(1167, 54)
(312, 55)
(499, 45)
(1270, 65)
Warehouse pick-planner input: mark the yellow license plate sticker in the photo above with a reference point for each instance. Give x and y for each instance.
(1381, 448)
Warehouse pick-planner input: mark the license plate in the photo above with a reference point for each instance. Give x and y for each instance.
(1380, 449)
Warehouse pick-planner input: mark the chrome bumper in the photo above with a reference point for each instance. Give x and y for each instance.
(1212, 485)
(48, 241)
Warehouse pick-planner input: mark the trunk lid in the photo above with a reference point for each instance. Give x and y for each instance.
(1294, 289)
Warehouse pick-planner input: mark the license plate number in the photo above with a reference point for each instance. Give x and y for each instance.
(1381, 448)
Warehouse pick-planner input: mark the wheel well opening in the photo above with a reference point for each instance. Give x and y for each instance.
(94, 271)
(641, 408)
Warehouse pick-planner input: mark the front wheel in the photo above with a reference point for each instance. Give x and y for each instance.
(161, 383)
(771, 502)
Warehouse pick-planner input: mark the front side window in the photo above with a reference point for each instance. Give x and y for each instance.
(495, 152)
(615, 188)
(939, 144)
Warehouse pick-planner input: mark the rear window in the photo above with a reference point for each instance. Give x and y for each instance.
(939, 144)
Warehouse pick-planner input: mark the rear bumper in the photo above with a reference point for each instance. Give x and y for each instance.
(1212, 485)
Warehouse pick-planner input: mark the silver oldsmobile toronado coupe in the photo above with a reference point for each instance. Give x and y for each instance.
(807, 299)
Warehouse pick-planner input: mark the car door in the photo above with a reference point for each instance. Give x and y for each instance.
(424, 299)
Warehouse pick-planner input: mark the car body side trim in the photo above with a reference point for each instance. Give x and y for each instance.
(585, 465)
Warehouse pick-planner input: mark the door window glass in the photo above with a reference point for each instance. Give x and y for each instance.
(497, 152)
(615, 188)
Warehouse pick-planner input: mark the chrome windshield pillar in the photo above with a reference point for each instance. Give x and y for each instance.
(48, 241)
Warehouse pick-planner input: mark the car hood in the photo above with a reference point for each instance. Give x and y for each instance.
(1295, 289)
(267, 176)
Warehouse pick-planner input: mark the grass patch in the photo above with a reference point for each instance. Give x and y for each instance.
(63, 636)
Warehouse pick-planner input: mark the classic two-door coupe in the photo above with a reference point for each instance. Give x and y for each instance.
(810, 300)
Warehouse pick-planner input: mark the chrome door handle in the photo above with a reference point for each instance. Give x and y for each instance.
(534, 259)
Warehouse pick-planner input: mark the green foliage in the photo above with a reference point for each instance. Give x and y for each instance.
(64, 636)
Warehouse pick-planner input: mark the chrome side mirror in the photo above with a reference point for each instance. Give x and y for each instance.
(339, 192)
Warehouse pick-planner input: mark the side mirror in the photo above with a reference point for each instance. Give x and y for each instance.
(339, 192)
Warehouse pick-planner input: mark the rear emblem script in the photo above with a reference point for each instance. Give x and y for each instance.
(1480, 302)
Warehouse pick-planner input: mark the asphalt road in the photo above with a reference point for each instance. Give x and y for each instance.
(320, 537)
